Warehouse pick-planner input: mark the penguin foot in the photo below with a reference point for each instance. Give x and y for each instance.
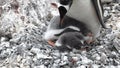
(50, 42)
(90, 40)
(90, 34)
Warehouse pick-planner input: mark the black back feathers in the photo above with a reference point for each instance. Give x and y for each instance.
(62, 11)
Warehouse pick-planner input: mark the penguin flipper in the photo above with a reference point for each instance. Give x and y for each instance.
(99, 10)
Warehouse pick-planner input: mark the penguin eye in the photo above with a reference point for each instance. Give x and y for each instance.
(65, 2)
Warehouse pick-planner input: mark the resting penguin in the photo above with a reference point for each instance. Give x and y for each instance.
(54, 30)
(57, 28)
(70, 40)
(87, 11)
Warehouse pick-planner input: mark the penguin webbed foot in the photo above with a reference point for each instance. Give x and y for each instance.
(90, 40)
(50, 42)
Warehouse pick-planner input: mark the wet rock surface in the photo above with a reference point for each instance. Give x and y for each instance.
(27, 49)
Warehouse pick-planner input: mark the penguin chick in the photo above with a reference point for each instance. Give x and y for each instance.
(70, 40)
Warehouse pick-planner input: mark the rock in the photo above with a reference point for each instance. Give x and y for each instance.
(82, 66)
(41, 66)
(3, 2)
(116, 46)
(85, 60)
(97, 57)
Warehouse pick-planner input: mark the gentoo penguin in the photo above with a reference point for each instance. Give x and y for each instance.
(54, 29)
(70, 40)
(87, 11)
(57, 28)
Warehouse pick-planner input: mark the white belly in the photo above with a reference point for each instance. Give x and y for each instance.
(83, 10)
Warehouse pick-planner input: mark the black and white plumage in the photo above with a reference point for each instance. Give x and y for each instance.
(62, 24)
(54, 30)
(53, 27)
(70, 40)
(88, 12)
(57, 26)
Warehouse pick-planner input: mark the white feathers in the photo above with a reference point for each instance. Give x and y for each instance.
(74, 28)
(84, 11)
(58, 44)
(50, 33)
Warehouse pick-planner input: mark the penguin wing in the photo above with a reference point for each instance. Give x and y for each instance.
(99, 10)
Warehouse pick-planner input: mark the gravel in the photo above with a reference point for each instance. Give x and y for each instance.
(27, 48)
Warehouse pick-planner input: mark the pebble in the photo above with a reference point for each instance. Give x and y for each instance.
(41, 66)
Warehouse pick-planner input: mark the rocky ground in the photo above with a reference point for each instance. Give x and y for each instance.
(25, 21)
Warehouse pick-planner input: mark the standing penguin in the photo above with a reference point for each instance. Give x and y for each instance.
(87, 11)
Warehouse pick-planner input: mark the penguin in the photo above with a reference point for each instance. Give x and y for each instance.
(57, 28)
(54, 29)
(71, 40)
(89, 12)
